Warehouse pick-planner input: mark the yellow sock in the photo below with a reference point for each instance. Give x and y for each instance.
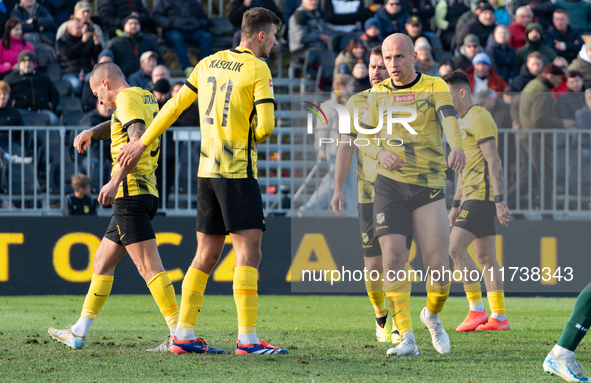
(398, 297)
(376, 296)
(163, 292)
(98, 292)
(246, 298)
(193, 288)
(436, 296)
(473, 293)
(496, 300)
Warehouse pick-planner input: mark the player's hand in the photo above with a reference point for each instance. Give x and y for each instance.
(82, 141)
(503, 213)
(452, 216)
(131, 152)
(108, 193)
(337, 203)
(321, 156)
(456, 160)
(390, 160)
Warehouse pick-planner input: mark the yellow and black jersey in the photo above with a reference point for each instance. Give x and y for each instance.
(423, 153)
(231, 83)
(135, 105)
(366, 167)
(477, 126)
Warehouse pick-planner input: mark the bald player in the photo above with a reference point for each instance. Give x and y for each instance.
(132, 192)
(410, 182)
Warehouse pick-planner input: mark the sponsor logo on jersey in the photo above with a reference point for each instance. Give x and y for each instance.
(405, 98)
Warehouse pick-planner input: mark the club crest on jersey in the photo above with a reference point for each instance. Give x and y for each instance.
(380, 218)
(423, 105)
(365, 237)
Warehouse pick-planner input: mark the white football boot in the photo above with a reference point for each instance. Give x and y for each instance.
(407, 346)
(438, 334)
(567, 368)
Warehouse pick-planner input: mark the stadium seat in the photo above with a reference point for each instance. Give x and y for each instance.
(19, 172)
(324, 79)
(63, 87)
(71, 119)
(315, 58)
(35, 119)
(55, 74)
(69, 105)
(45, 54)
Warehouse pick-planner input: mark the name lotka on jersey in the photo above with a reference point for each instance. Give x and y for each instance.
(228, 65)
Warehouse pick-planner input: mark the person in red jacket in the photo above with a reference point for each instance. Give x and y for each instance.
(523, 17)
(13, 44)
(482, 77)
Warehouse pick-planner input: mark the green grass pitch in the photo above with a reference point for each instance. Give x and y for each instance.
(330, 339)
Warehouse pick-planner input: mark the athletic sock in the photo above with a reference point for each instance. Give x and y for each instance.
(193, 287)
(474, 295)
(163, 292)
(377, 298)
(398, 297)
(496, 300)
(562, 352)
(247, 303)
(98, 292)
(579, 321)
(436, 296)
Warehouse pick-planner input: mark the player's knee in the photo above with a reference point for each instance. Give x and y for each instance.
(456, 252)
(486, 258)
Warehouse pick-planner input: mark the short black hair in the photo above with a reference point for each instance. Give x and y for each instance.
(573, 73)
(457, 78)
(258, 19)
(376, 50)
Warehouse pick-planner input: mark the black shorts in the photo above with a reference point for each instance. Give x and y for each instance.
(225, 205)
(369, 241)
(131, 218)
(394, 203)
(478, 217)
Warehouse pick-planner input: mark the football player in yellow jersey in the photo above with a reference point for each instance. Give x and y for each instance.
(366, 178)
(410, 183)
(234, 86)
(478, 199)
(132, 192)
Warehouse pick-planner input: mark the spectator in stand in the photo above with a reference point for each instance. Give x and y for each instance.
(33, 90)
(530, 70)
(447, 13)
(392, 17)
(60, 9)
(160, 72)
(307, 30)
(573, 99)
(184, 21)
(239, 7)
(534, 42)
(347, 59)
(501, 53)
(99, 114)
(143, 77)
(500, 112)
(289, 7)
(583, 121)
(578, 12)
(360, 74)
(467, 51)
(541, 10)
(482, 77)
(13, 43)
(523, 18)
(582, 63)
(88, 99)
(190, 116)
(559, 90)
(561, 37)
(482, 26)
(78, 48)
(130, 45)
(501, 13)
(114, 13)
(413, 28)
(422, 8)
(80, 202)
(82, 12)
(341, 16)
(161, 90)
(373, 35)
(9, 116)
(425, 63)
(447, 66)
(38, 23)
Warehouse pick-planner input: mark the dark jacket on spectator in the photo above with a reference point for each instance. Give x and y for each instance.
(140, 79)
(127, 51)
(182, 15)
(9, 116)
(75, 54)
(503, 57)
(289, 7)
(461, 61)
(304, 30)
(572, 38)
(476, 27)
(92, 118)
(522, 79)
(583, 121)
(32, 91)
(114, 12)
(579, 13)
(76, 206)
(60, 9)
(542, 9)
(547, 53)
(189, 117)
(569, 103)
(391, 23)
(41, 18)
(423, 8)
(237, 9)
(333, 16)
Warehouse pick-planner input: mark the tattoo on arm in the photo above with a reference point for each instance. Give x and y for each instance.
(135, 131)
(495, 170)
(102, 131)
